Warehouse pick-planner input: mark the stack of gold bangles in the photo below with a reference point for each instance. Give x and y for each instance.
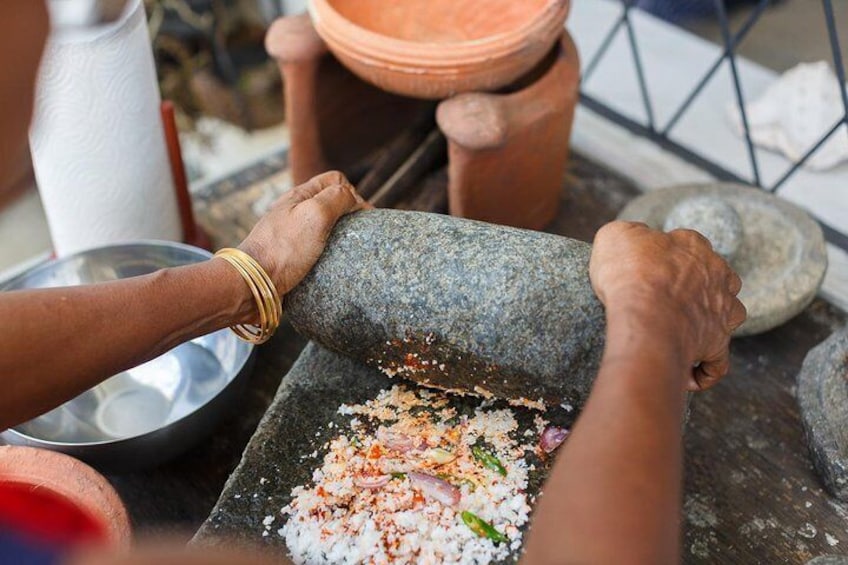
(264, 292)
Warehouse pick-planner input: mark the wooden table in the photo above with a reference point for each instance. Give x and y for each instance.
(751, 493)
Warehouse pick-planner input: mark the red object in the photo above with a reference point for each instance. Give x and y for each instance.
(56, 499)
(435, 488)
(192, 234)
(552, 438)
(46, 516)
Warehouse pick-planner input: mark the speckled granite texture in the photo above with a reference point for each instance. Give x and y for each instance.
(823, 400)
(829, 560)
(713, 218)
(457, 304)
(781, 258)
(279, 455)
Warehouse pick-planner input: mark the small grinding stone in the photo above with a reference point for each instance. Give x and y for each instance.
(457, 304)
(713, 218)
(823, 400)
(780, 256)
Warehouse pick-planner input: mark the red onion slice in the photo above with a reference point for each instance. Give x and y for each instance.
(396, 441)
(435, 488)
(372, 481)
(552, 438)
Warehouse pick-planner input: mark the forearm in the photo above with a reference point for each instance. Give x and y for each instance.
(614, 493)
(59, 342)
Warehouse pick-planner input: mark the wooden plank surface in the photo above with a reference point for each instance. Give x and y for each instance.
(751, 494)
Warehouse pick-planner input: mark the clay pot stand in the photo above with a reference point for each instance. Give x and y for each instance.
(507, 151)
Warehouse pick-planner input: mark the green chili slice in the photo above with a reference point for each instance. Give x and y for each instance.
(482, 528)
(488, 460)
(471, 484)
(398, 475)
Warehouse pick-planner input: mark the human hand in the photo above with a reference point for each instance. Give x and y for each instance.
(289, 239)
(674, 286)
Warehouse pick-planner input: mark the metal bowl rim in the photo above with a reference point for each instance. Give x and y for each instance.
(152, 243)
(52, 262)
(117, 441)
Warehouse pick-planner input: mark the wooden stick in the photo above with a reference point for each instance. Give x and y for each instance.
(191, 233)
(430, 195)
(425, 158)
(392, 157)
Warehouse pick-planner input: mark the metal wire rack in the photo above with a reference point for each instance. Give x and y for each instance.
(660, 133)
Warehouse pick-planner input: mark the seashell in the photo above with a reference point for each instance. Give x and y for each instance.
(795, 112)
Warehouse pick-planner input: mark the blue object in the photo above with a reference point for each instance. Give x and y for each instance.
(16, 549)
(678, 10)
(681, 10)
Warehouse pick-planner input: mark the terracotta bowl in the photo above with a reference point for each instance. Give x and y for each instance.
(437, 48)
(65, 500)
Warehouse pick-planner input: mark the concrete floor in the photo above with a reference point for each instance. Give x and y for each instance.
(788, 33)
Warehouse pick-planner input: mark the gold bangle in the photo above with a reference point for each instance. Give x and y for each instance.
(253, 334)
(264, 293)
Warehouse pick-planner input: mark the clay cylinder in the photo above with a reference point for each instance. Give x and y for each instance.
(456, 304)
(508, 152)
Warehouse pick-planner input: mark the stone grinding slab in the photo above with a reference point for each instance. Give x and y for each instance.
(296, 425)
(457, 304)
(829, 560)
(781, 257)
(823, 400)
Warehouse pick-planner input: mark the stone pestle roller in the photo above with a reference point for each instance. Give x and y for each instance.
(457, 304)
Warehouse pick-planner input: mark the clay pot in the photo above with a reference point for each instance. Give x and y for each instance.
(437, 48)
(70, 482)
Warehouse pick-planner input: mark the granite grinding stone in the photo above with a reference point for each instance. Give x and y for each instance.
(714, 218)
(456, 304)
(781, 258)
(278, 456)
(823, 400)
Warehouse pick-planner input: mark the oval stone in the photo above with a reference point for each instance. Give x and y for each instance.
(457, 304)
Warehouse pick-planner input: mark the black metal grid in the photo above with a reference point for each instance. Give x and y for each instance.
(659, 134)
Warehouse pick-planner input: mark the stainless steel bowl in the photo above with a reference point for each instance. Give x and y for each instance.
(153, 412)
